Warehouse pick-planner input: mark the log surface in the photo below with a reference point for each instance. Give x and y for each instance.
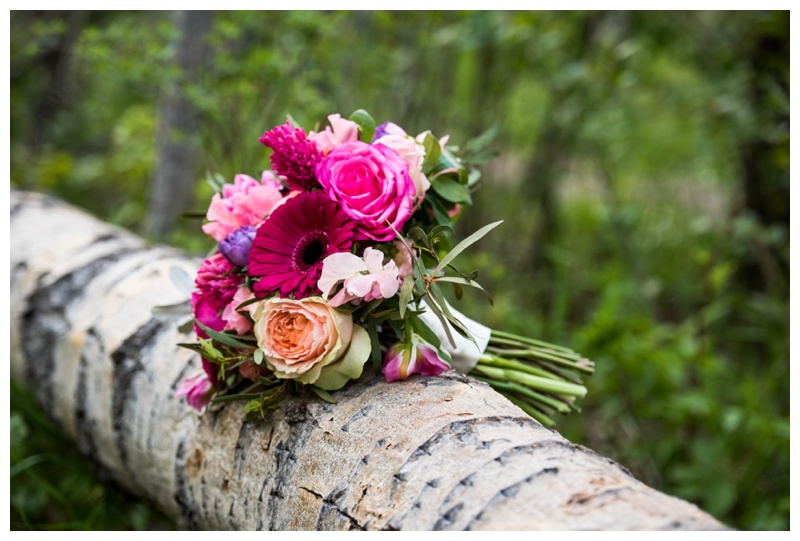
(443, 453)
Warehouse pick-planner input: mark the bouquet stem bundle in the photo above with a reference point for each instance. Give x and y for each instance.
(540, 378)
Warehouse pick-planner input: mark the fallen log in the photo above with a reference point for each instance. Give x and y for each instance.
(443, 453)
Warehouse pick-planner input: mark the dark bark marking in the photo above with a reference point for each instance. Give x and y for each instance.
(332, 518)
(44, 324)
(318, 496)
(360, 414)
(126, 366)
(285, 462)
(83, 426)
(433, 483)
(182, 495)
(448, 518)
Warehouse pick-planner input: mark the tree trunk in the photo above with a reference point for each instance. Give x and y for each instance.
(430, 453)
(172, 185)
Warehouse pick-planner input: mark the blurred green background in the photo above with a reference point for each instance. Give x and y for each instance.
(643, 178)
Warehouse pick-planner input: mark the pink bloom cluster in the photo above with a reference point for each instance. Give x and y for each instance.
(286, 259)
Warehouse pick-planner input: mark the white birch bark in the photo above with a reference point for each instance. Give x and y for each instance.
(444, 453)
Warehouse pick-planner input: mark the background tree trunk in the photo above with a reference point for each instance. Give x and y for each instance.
(172, 185)
(444, 453)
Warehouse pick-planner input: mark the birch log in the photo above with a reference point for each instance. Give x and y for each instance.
(444, 453)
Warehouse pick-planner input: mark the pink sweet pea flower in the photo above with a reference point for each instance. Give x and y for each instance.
(364, 279)
(245, 202)
(416, 357)
(197, 390)
(344, 131)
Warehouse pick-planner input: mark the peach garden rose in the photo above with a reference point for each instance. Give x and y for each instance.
(310, 341)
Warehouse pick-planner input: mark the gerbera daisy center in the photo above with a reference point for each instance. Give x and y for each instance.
(310, 250)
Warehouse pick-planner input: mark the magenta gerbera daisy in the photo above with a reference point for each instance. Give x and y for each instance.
(294, 156)
(290, 245)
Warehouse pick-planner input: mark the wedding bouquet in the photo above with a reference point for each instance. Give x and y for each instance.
(337, 257)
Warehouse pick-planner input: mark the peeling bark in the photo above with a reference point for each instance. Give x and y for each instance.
(444, 453)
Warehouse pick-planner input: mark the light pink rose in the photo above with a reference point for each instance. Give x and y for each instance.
(245, 202)
(372, 185)
(233, 319)
(344, 131)
(364, 279)
(413, 154)
(310, 341)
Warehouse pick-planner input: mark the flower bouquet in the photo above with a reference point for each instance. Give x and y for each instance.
(337, 258)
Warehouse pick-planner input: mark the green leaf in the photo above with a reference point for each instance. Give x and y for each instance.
(223, 338)
(186, 327)
(406, 292)
(474, 177)
(372, 329)
(433, 150)
(366, 124)
(418, 237)
(464, 244)
(464, 281)
(424, 331)
(258, 356)
(323, 394)
(292, 121)
(437, 311)
(480, 141)
(439, 210)
(450, 189)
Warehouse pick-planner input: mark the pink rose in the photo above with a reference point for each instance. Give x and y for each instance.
(372, 185)
(310, 341)
(344, 131)
(245, 202)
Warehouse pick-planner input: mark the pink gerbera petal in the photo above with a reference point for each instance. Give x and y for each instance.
(292, 243)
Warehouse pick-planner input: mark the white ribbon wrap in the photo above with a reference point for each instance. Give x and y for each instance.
(466, 354)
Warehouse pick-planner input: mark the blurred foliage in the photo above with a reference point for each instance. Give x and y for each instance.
(643, 179)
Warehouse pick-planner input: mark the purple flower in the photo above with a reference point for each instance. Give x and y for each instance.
(387, 128)
(236, 246)
(294, 155)
(416, 357)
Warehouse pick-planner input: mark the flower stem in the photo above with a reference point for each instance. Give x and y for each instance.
(530, 410)
(557, 405)
(534, 382)
(531, 341)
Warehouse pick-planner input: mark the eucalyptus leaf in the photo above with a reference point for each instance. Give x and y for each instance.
(182, 280)
(172, 310)
(406, 292)
(455, 280)
(464, 244)
(223, 338)
(258, 356)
